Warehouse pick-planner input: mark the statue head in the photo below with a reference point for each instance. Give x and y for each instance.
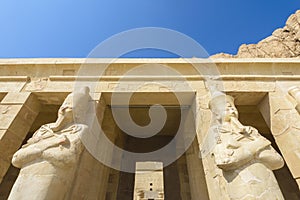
(73, 109)
(294, 92)
(223, 107)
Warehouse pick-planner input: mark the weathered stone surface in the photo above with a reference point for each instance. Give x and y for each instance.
(283, 43)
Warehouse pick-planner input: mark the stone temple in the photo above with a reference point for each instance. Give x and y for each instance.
(238, 117)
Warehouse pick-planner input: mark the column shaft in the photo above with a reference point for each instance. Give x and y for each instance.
(284, 122)
(18, 111)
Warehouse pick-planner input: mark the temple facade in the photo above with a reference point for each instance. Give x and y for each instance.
(240, 137)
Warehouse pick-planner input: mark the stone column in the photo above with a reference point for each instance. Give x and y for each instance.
(92, 176)
(284, 121)
(183, 178)
(196, 174)
(18, 111)
(114, 175)
(188, 173)
(113, 184)
(111, 131)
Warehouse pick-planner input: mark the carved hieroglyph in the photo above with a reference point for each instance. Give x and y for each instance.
(48, 160)
(245, 157)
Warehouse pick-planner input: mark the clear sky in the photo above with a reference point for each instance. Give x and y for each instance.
(72, 28)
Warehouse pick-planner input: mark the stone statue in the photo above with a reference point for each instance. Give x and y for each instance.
(48, 161)
(245, 157)
(295, 93)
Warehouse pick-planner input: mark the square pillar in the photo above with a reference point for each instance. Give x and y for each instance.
(92, 177)
(18, 111)
(197, 182)
(284, 121)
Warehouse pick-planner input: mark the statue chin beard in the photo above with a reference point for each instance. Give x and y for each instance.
(61, 122)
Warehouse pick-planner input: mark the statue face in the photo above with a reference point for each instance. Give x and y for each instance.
(65, 115)
(66, 109)
(230, 111)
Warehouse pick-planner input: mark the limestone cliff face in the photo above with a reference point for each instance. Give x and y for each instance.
(283, 43)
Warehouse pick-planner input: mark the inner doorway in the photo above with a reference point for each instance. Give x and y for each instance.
(175, 175)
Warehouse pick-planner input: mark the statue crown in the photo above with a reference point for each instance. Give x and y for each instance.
(218, 101)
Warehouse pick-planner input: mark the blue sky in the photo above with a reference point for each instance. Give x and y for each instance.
(65, 28)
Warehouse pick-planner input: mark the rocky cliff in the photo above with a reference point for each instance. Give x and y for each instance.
(283, 43)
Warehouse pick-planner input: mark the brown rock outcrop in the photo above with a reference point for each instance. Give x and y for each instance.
(283, 43)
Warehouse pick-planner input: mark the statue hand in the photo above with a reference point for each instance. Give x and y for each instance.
(231, 162)
(248, 130)
(259, 144)
(33, 140)
(270, 158)
(62, 139)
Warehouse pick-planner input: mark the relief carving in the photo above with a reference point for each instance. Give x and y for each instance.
(48, 160)
(245, 157)
(36, 84)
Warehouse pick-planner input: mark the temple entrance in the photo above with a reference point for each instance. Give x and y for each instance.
(178, 175)
(97, 181)
(175, 177)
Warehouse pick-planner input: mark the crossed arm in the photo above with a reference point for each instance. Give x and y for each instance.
(32, 151)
